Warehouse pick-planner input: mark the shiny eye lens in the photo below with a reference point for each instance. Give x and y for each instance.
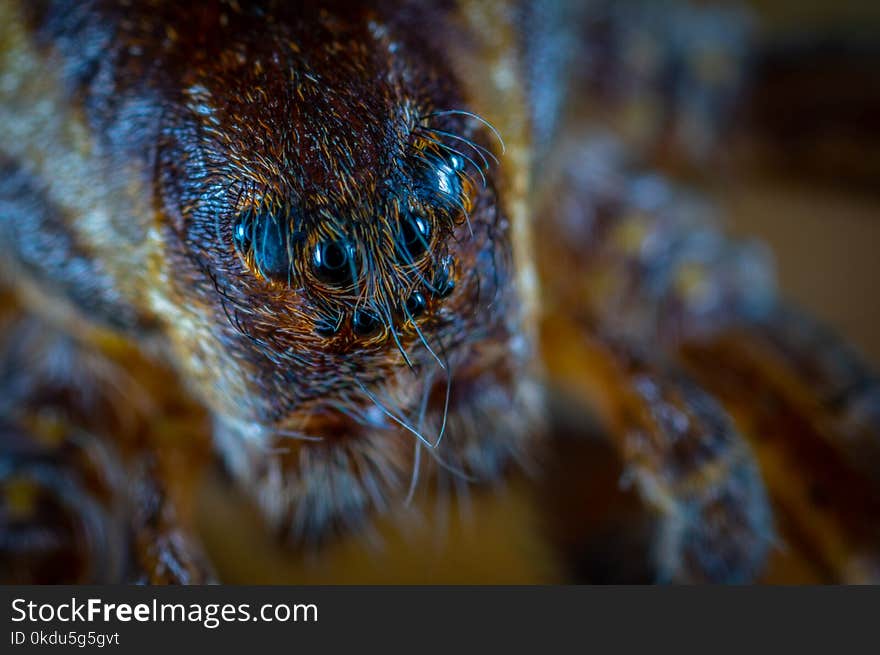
(263, 237)
(364, 322)
(241, 235)
(328, 326)
(415, 235)
(415, 304)
(449, 183)
(332, 261)
(443, 283)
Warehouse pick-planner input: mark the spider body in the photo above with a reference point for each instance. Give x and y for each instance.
(304, 218)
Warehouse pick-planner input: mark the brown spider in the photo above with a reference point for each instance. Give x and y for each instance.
(376, 255)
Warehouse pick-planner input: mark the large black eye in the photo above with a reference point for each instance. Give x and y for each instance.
(332, 261)
(415, 235)
(264, 238)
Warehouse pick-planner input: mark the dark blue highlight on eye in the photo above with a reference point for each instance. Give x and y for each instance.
(266, 238)
(333, 262)
(415, 235)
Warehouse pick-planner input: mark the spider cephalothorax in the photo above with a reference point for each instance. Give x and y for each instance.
(336, 220)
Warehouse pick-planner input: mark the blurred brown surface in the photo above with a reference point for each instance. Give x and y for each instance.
(809, 185)
(819, 15)
(826, 244)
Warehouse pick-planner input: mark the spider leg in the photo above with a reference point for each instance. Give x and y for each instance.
(680, 451)
(812, 408)
(657, 277)
(55, 525)
(83, 496)
(635, 245)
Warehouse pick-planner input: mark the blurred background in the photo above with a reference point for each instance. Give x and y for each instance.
(806, 175)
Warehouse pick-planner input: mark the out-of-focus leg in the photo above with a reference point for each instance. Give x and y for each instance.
(629, 256)
(88, 490)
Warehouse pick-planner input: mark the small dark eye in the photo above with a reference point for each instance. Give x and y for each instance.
(364, 322)
(264, 238)
(443, 282)
(415, 304)
(415, 235)
(332, 262)
(327, 326)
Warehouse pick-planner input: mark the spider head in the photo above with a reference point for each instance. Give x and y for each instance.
(340, 259)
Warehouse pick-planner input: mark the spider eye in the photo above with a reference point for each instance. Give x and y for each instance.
(441, 183)
(415, 235)
(332, 261)
(443, 283)
(448, 182)
(263, 239)
(415, 305)
(328, 325)
(364, 322)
